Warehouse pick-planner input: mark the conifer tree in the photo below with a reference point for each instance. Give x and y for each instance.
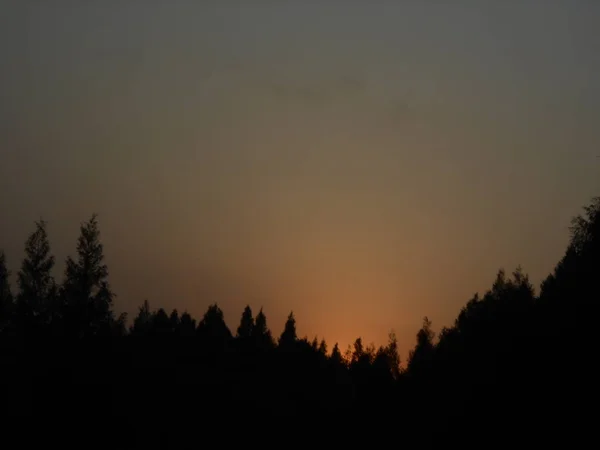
(336, 356)
(87, 296)
(246, 327)
(288, 337)
(212, 329)
(261, 334)
(37, 288)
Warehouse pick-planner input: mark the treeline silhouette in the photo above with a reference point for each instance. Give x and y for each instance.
(514, 365)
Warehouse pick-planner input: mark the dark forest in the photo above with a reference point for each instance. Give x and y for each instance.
(515, 366)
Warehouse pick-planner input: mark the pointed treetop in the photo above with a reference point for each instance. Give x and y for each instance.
(260, 324)
(246, 326)
(289, 336)
(35, 279)
(336, 355)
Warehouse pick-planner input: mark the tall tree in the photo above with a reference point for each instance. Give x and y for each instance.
(358, 352)
(419, 359)
(261, 335)
(389, 357)
(87, 294)
(315, 344)
(6, 298)
(323, 347)
(37, 288)
(246, 327)
(288, 337)
(336, 356)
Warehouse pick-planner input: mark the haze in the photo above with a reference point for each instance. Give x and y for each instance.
(363, 164)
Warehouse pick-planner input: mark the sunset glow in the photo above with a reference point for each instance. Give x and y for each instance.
(362, 169)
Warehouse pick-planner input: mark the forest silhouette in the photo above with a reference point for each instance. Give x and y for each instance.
(515, 365)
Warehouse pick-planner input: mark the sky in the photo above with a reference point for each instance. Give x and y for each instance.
(362, 163)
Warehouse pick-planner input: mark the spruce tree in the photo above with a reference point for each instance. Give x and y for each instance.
(288, 337)
(244, 331)
(87, 295)
(261, 334)
(37, 288)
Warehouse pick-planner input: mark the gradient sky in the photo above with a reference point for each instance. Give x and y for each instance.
(362, 163)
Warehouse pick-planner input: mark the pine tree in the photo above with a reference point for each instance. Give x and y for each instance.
(358, 351)
(37, 288)
(261, 334)
(387, 359)
(315, 344)
(212, 329)
(336, 356)
(419, 359)
(87, 295)
(288, 337)
(246, 327)
(323, 347)
(393, 356)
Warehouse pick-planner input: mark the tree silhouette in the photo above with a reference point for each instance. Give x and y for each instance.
(388, 359)
(86, 292)
(336, 355)
(261, 335)
(358, 352)
(37, 289)
(187, 325)
(142, 324)
(161, 323)
(322, 347)
(512, 364)
(315, 344)
(246, 327)
(288, 337)
(212, 329)
(420, 357)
